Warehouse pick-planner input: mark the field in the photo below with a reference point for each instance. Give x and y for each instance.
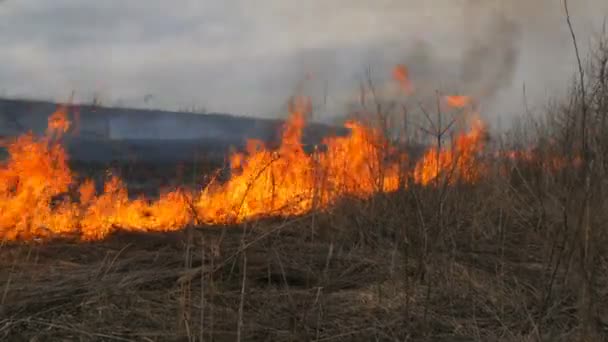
(481, 238)
(489, 261)
(356, 273)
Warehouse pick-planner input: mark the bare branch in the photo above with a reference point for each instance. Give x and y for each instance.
(582, 82)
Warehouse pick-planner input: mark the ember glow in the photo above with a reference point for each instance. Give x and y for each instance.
(401, 74)
(548, 161)
(457, 101)
(40, 197)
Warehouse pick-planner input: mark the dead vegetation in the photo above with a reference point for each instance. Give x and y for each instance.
(389, 268)
(521, 255)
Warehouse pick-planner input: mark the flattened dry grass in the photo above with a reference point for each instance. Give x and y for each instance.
(362, 271)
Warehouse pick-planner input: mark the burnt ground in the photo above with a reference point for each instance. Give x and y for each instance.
(148, 178)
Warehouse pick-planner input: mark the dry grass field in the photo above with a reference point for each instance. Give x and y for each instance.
(519, 252)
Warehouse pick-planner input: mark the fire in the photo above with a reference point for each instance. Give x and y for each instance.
(290, 182)
(401, 74)
(459, 163)
(263, 181)
(36, 186)
(457, 101)
(58, 122)
(113, 210)
(36, 174)
(355, 165)
(40, 197)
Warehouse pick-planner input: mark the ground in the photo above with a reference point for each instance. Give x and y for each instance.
(361, 271)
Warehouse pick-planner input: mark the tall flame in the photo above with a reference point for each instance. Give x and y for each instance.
(36, 186)
(458, 163)
(290, 182)
(39, 197)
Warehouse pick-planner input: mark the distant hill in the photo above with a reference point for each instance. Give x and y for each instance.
(109, 133)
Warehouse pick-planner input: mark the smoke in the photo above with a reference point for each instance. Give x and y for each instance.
(490, 51)
(525, 45)
(489, 63)
(247, 58)
(480, 59)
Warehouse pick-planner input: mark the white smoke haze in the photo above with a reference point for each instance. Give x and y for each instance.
(247, 57)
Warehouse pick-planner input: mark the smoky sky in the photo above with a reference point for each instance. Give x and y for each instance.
(247, 57)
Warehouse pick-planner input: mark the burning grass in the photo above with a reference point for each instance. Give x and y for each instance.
(355, 273)
(344, 243)
(339, 244)
(264, 182)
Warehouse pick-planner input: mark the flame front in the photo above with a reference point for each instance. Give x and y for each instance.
(288, 181)
(36, 185)
(459, 163)
(39, 197)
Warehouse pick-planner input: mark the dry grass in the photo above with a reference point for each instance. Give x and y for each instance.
(362, 274)
(520, 256)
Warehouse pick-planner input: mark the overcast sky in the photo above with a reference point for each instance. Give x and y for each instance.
(246, 57)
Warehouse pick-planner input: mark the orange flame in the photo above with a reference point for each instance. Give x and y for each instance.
(460, 163)
(35, 189)
(40, 199)
(58, 123)
(402, 75)
(457, 101)
(290, 182)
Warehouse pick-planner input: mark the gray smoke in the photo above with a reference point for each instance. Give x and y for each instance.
(247, 58)
(489, 63)
(491, 50)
